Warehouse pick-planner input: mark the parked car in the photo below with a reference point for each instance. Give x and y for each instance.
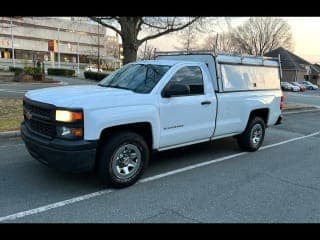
(92, 69)
(286, 86)
(154, 105)
(302, 88)
(308, 85)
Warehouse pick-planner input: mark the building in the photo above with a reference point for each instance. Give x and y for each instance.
(295, 68)
(315, 74)
(75, 37)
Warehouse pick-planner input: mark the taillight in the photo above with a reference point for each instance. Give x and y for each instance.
(281, 102)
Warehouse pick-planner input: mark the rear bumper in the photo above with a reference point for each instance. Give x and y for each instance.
(70, 156)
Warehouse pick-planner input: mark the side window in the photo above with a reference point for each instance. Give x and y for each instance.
(191, 77)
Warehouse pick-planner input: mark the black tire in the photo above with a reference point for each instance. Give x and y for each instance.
(107, 158)
(246, 140)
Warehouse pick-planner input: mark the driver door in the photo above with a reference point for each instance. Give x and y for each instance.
(190, 117)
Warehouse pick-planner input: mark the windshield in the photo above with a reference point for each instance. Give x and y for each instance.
(140, 78)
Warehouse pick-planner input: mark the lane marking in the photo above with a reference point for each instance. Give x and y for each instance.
(290, 140)
(13, 91)
(162, 175)
(54, 205)
(12, 145)
(221, 159)
(144, 180)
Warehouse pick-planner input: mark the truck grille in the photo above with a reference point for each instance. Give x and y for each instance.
(37, 110)
(39, 118)
(41, 128)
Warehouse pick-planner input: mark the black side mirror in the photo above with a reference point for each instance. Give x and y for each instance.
(176, 89)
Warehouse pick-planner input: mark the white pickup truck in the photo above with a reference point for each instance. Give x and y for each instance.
(172, 101)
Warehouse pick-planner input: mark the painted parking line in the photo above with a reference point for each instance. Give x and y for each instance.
(12, 145)
(144, 180)
(13, 91)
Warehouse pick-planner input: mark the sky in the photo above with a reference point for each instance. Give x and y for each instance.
(305, 32)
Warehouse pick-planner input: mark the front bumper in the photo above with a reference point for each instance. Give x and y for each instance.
(70, 156)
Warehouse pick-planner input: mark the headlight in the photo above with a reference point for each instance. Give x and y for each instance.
(68, 116)
(69, 132)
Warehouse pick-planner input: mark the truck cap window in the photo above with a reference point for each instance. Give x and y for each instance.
(243, 77)
(140, 78)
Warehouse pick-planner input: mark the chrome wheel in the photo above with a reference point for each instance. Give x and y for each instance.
(256, 134)
(126, 161)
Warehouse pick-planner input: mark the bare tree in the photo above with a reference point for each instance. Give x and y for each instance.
(188, 38)
(220, 42)
(259, 35)
(130, 30)
(146, 52)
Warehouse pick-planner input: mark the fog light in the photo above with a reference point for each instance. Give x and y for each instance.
(69, 133)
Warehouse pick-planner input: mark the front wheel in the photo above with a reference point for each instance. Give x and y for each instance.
(122, 159)
(252, 138)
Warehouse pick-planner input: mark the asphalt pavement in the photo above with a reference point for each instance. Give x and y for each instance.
(309, 97)
(17, 90)
(210, 182)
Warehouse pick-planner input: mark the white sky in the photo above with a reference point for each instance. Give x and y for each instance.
(305, 31)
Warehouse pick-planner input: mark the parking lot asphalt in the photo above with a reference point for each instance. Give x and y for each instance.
(210, 182)
(17, 90)
(309, 97)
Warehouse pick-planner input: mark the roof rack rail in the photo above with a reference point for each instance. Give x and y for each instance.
(157, 53)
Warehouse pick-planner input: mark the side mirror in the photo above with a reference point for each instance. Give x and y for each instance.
(176, 89)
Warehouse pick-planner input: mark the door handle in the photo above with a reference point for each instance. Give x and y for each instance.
(205, 102)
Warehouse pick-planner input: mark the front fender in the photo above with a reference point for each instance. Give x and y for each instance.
(97, 120)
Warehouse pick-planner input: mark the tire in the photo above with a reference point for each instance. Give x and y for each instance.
(117, 156)
(252, 138)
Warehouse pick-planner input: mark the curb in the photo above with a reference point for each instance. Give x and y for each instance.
(301, 107)
(10, 134)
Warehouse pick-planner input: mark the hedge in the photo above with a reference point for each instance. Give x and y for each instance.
(32, 70)
(95, 75)
(61, 72)
(16, 70)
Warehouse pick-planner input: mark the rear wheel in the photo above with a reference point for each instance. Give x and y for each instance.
(122, 159)
(252, 138)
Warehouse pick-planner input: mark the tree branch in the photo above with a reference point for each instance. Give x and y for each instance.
(168, 30)
(98, 20)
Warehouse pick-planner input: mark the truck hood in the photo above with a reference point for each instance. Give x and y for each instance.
(79, 96)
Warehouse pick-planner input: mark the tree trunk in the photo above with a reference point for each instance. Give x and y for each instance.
(129, 52)
(129, 37)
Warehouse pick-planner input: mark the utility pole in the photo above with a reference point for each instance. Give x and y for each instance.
(12, 44)
(59, 47)
(78, 58)
(98, 48)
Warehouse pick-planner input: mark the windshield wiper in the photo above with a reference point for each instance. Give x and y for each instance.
(116, 86)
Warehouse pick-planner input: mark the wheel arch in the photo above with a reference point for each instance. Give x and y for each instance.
(261, 112)
(144, 129)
